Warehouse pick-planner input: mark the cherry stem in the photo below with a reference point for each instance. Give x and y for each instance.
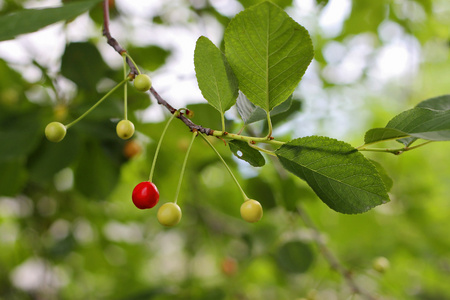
(160, 142)
(125, 54)
(226, 165)
(96, 104)
(125, 88)
(183, 168)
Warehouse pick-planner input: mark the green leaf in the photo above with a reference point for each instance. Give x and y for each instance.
(441, 103)
(388, 182)
(340, 175)
(243, 151)
(31, 20)
(83, 64)
(423, 123)
(216, 80)
(280, 3)
(283, 117)
(294, 257)
(429, 120)
(251, 113)
(383, 134)
(269, 53)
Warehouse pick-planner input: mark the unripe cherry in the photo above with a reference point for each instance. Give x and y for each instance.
(55, 132)
(381, 264)
(145, 195)
(251, 211)
(125, 129)
(142, 82)
(169, 214)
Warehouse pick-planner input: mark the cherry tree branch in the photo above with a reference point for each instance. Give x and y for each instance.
(192, 126)
(329, 256)
(208, 131)
(112, 41)
(119, 49)
(393, 151)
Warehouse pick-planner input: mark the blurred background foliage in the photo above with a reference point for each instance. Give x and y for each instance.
(68, 228)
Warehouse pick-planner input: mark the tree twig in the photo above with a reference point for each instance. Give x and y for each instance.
(192, 126)
(394, 151)
(119, 49)
(112, 41)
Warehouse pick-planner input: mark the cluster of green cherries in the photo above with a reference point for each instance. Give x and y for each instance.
(56, 131)
(145, 194)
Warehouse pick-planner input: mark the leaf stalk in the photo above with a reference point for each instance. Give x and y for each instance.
(397, 151)
(262, 149)
(269, 125)
(386, 140)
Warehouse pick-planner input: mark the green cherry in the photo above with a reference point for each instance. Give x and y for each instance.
(55, 132)
(251, 211)
(169, 214)
(380, 264)
(125, 129)
(142, 82)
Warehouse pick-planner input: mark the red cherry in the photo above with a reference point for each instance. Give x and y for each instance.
(145, 195)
